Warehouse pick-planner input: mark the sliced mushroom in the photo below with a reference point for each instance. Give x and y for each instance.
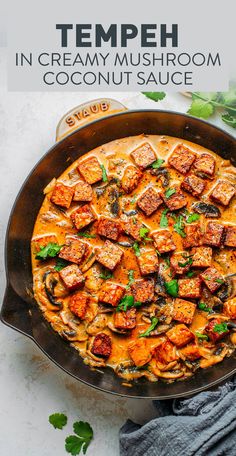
(97, 325)
(53, 288)
(161, 329)
(162, 174)
(209, 210)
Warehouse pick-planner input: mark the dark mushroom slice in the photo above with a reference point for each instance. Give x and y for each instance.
(130, 213)
(113, 200)
(162, 174)
(209, 210)
(51, 280)
(70, 335)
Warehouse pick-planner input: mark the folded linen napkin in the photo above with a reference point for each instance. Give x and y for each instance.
(201, 425)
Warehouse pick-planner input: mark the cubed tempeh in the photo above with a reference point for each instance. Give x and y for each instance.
(149, 201)
(205, 163)
(193, 184)
(72, 277)
(223, 193)
(144, 155)
(189, 288)
(109, 255)
(193, 235)
(230, 236)
(201, 257)
(62, 195)
(125, 320)
(163, 241)
(108, 228)
(91, 170)
(143, 290)
(82, 216)
(180, 335)
(83, 191)
(74, 250)
(184, 311)
(212, 278)
(182, 158)
(213, 234)
(130, 178)
(111, 293)
(148, 262)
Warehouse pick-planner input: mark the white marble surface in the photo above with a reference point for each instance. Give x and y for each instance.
(31, 387)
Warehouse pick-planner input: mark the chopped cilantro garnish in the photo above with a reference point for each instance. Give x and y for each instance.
(172, 287)
(131, 278)
(169, 192)
(85, 234)
(192, 218)
(203, 306)
(220, 328)
(126, 303)
(136, 248)
(143, 234)
(60, 264)
(58, 420)
(51, 250)
(104, 173)
(190, 274)
(106, 275)
(201, 336)
(157, 164)
(219, 281)
(164, 219)
(154, 322)
(179, 226)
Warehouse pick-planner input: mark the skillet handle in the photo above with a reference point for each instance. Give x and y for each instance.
(86, 113)
(16, 313)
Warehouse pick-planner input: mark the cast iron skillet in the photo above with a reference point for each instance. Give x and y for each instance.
(20, 311)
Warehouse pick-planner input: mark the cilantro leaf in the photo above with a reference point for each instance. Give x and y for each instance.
(73, 444)
(155, 96)
(85, 234)
(203, 306)
(169, 192)
(164, 219)
(179, 226)
(190, 274)
(229, 120)
(106, 275)
(104, 173)
(157, 164)
(154, 322)
(58, 420)
(143, 232)
(60, 264)
(51, 250)
(220, 328)
(136, 248)
(172, 288)
(126, 303)
(201, 336)
(219, 281)
(202, 104)
(192, 217)
(131, 278)
(186, 263)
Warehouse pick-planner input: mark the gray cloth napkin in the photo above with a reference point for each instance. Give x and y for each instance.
(201, 425)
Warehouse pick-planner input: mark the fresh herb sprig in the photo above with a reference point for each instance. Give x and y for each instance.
(51, 250)
(126, 303)
(172, 288)
(60, 264)
(85, 234)
(131, 278)
(58, 420)
(75, 443)
(154, 322)
(221, 328)
(104, 173)
(106, 275)
(136, 248)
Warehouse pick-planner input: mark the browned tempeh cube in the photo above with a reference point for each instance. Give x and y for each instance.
(143, 290)
(193, 184)
(74, 251)
(83, 191)
(148, 262)
(130, 178)
(189, 288)
(213, 234)
(193, 235)
(82, 216)
(212, 279)
(205, 163)
(108, 228)
(139, 352)
(132, 227)
(230, 236)
(78, 304)
(91, 170)
(109, 255)
(180, 335)
(175, 201)
(182, 158)
(72, 277)
(149, 201)
(201, 257)
(163, 241)
(184, 311)
(111, 293)
(144, 155)
(191, 352)
(215, 336)
(125, 320)
(165, 353)
(180, 262)
(62, 195)
(102, 345)
(223, 193)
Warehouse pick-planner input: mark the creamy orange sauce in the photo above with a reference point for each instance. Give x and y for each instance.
(115, 157)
